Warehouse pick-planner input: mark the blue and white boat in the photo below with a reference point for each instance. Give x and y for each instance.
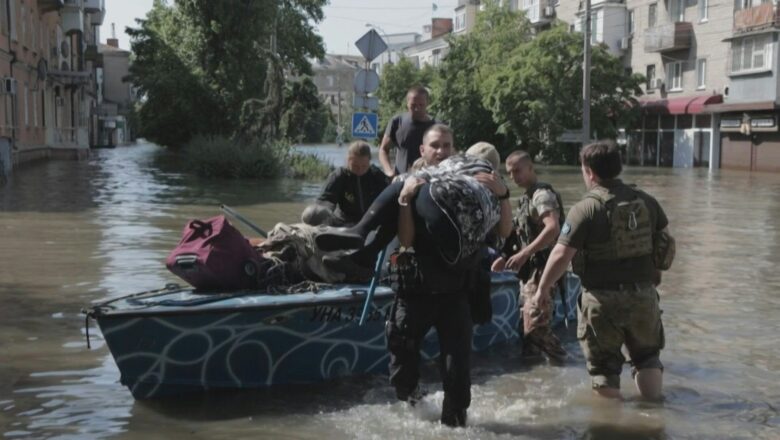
(175, 340)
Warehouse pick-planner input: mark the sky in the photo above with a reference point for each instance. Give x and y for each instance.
(345, 20)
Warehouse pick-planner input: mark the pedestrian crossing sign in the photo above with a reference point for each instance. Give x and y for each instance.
(365, 125)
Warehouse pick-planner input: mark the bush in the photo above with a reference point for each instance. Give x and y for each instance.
(234, 158)
(308, 166)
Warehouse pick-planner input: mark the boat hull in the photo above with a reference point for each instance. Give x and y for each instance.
(178, 341)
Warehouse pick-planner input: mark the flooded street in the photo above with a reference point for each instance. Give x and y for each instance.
(76, 232)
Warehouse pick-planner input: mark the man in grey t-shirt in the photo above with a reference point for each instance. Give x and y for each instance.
(405, 132)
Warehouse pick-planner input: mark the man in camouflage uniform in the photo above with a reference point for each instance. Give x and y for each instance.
(537, 225)
(614, 232)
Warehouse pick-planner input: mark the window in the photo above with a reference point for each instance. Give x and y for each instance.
(630, 23)
(594, 28)
(23, 20)
(35, 108)
(531, 8)
(674, 76)
(701, 73)
(751, 54)
(650, 75)
(3, 20)
(747, 4)
(26, 110)
(12, 12)
(652, 11)
(704, 6)
(677, 10)
(460, 21)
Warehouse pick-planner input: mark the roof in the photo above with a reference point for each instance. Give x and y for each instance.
(337, 62)
(106, 49)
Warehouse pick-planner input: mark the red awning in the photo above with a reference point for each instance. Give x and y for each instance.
(680, 106)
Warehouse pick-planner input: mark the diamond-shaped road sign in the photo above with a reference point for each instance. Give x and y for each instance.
(371, 45)
(364, 125)
(366, 81)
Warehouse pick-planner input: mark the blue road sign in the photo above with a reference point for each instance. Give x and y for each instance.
(365, 125)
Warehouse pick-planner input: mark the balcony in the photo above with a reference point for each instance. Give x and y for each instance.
(668, 37)
(755, 18)
(50, 5)
(538, 12)
(72, 19)
(93, 5)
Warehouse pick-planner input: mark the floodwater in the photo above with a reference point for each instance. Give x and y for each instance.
(77, 232)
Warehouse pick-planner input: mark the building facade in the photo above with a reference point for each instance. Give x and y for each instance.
(117, 98)
(48, 63)
(680, 47)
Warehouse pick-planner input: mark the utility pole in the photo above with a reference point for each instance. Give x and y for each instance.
(586, 78)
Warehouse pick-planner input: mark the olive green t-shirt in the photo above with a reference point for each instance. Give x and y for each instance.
(587, 223)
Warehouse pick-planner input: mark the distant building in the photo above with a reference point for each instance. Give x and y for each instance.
(334, 76)
(118, 98)
(48, 78)
(431, 51)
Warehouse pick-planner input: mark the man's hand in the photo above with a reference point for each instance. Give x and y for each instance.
(493, 183)
(498, 265)
(541, 299)
(411, 186)
(517, 260)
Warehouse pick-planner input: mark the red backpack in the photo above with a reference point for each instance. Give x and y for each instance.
(213, 255)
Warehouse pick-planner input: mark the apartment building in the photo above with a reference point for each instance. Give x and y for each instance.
(749, 113)
(48, 89)
(680, 47)
(116, 97)
(432, 49)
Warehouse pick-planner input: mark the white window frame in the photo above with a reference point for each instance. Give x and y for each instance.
(631, 25)
(701, 73)
(674, 76)
(704, 11)
(760, 45)
(594, 28)
(460, 21)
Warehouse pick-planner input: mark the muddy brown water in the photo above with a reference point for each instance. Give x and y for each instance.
(77, 232)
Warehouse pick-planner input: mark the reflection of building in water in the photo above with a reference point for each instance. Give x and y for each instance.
(48, 81)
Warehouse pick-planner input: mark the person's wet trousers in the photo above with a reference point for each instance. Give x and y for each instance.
(411, 319)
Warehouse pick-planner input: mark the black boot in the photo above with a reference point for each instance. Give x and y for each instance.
(383, 211)
(455, 418)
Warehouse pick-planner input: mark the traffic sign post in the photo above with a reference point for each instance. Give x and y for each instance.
(365, 124)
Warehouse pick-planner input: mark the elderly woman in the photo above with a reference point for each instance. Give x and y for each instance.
(456, 200)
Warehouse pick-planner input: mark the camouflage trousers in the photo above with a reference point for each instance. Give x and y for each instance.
(537, 330)
(608, 319)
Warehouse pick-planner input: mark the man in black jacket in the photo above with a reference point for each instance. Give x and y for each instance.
(349, 190)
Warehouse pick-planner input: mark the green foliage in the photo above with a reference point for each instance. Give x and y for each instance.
(536, 93)
(396, 80)
(304, 116)
(308, 166)
(471, 59)
(203, 65)
(231, 157)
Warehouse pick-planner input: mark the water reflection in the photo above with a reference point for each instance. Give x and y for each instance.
(75, 232)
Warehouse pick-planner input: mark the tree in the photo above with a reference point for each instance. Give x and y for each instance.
(472, 58)
(203, 65)
(304, 116)
(396, 80)
(536, 93)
